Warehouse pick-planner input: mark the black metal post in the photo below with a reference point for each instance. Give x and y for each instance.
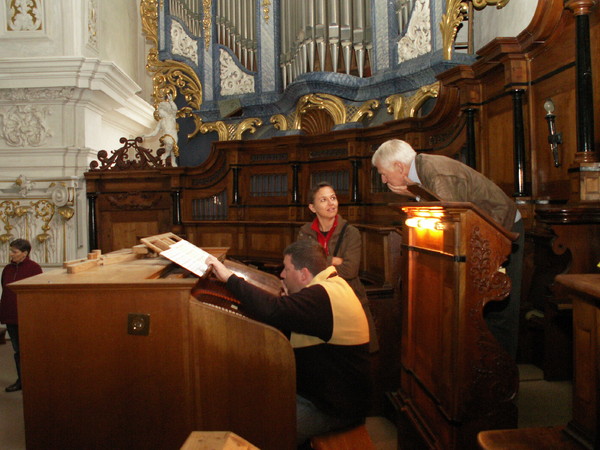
(471, 158)
(354, 197)
(176, 200)
(92, 225)
(585, 94)
(236, 188)
(519, 144)
(295, 184)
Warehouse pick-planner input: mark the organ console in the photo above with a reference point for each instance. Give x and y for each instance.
(138, 354)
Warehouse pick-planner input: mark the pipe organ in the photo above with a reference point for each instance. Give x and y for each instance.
(236, 23)
(188, 11)
(315, 33)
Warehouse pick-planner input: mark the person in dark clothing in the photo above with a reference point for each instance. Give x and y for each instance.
(452, 181)
(20, 267)
(342, 243)
(328, 330)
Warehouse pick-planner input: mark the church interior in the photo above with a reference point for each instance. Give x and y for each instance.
(211, 121)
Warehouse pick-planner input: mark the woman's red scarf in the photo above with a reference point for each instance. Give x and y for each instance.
(323, 239)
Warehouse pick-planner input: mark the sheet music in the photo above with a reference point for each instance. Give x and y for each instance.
(188, 256)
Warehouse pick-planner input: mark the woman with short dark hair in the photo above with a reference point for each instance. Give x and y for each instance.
(19, 268)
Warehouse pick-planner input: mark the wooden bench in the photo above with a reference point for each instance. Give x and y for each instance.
(353, 439)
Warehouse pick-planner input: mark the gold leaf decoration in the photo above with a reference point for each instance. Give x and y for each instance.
(449, 25)
(330, 103)
(480, 4)
(394, 105)
(280, 122)
(366, 109)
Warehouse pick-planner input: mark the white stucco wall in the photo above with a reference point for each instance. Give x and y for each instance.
(509, 21)
(120, 39)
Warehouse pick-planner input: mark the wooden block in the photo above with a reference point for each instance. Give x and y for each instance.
(114, 258)
(216, 440)
(353, 439)
(140, 249)
(73, 261)
(85, 265)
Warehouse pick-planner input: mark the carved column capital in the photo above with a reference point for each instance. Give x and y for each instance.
(580, 7)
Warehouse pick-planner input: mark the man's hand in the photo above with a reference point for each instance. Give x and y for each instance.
(337, 261)
(284, 289)
(400, 190)
(219, 269)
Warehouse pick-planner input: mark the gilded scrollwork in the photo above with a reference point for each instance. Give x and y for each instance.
(413, 104)
(395, 105)
(366, 109)
(330, 103)
(480, 4)
(28, 209)
(45, 211)
(335, 107)
(455, 10)
(149, 14)
(402, 107)
(232, 131)
(7, 211)
(280, 122)
(170, 77)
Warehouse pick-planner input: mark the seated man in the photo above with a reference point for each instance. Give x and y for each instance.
(328, 330)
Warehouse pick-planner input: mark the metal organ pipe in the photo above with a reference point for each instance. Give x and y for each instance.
(325, 28)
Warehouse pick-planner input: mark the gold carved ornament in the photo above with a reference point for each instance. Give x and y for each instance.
(231, 132)
(170, 77)
(455, 13)
(455, 10)
(402, 107)
(265, 5)
(44, 210)
(7, 210)
(333, 105)
(417, 100)
(207, 22)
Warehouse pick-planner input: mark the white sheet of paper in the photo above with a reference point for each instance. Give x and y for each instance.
(188, 256)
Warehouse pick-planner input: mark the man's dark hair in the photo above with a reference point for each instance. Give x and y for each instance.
(21, 244)
(314, 190)
(307, 253)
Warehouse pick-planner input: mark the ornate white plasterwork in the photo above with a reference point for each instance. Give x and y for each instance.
(44, 211)
(182, 44)
(24, 15)
(417, 40)
(33, 94)
(233, 80)
(24, 125)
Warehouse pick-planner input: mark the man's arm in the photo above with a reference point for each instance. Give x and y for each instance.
(219, 269)
(307, 312)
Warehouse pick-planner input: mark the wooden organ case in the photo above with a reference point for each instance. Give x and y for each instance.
(122, 356)
(456, 380)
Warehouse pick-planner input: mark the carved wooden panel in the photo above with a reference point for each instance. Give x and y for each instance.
(456, 379)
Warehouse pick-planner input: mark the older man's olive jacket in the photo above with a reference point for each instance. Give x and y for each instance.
(453, 181)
